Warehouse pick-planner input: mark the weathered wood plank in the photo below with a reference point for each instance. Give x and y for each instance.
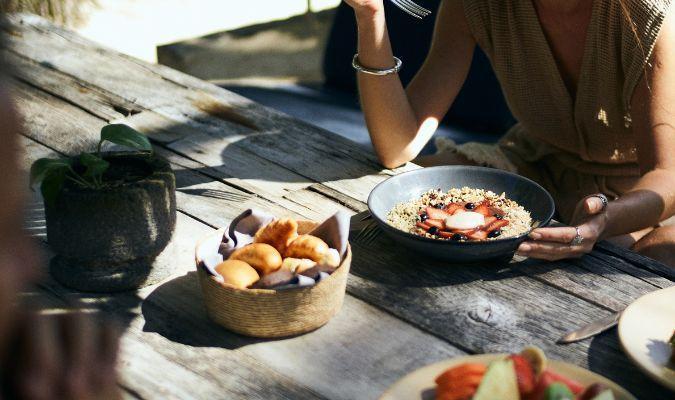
(487, 308)
(208, 352)
(593, 279)
(638, 260)
(69, 130)
(147, 86)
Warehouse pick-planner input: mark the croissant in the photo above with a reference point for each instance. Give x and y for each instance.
(307, 246)
(263, 257)
(278, 234)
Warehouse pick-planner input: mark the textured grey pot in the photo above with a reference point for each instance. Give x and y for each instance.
(109, 240)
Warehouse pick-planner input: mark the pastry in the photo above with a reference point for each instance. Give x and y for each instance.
(331, 258)
(278, 278)
(278, 233)
(297, 265)
(307, 246)
(237, 273)
(261, 256)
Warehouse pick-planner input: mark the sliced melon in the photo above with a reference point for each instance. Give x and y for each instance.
(606, 395)
(499, 382)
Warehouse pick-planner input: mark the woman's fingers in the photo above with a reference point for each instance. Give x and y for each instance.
(593, 205)
(69, 356)
(550, 250)
(106, 363)
(587, 207)
(560, 235)
(80, 348)
(38, 368)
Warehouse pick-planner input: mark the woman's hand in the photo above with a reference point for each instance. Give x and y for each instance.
(555, 243)
(366, 7)
(68, 356)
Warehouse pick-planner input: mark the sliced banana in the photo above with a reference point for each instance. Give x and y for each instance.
(536, 358)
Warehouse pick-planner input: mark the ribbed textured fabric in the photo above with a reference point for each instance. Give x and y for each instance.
(591, 134)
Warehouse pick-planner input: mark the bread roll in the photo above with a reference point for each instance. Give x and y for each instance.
(331, 258)
(278, 234)
(261, 256)
(237, 273)
(297, 265)
(307, 246)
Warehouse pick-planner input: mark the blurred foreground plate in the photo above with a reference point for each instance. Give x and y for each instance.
(645, 328)
(420, 384)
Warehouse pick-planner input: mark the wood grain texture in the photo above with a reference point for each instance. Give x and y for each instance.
(225, 165)
(157, 345)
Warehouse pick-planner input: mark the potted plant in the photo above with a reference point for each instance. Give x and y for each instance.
(109, 214)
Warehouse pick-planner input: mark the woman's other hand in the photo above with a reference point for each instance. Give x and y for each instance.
(556, 243)
(68, 356)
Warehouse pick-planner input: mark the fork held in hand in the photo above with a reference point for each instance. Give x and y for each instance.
(411, 8)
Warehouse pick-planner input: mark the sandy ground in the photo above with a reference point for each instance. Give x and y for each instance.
(137, 27)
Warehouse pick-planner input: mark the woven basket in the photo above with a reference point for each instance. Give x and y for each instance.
(270, 313)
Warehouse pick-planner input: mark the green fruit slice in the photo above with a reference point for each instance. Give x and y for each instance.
(499, 382)
(558, 391)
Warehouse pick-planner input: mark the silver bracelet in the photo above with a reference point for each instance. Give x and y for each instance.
(378, 72)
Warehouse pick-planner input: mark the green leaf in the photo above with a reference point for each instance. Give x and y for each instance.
(45, 166)
(52, 184)
(125, 136)
(95, 166)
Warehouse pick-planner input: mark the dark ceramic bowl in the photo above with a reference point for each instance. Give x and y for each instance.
(411, 185)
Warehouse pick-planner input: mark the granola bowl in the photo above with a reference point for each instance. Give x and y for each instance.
(422, 209)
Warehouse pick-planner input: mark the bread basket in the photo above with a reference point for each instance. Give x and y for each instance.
(271, 313)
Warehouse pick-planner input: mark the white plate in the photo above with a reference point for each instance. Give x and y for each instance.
(420, 383)
(645, 328)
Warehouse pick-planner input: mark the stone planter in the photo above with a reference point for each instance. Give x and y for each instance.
(113, 239)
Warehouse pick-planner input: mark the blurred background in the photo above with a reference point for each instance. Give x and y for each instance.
(292, 55)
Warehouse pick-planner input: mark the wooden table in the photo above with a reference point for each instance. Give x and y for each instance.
(401, 311)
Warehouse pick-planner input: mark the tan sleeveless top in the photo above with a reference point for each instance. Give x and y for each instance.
(592, 132)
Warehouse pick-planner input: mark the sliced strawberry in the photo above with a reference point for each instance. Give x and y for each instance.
(464, 232)
(435, 213)
(524, 374)
(478, 235)
(423, 225)
(452, 207)
(459, 210)
(489, 220)
(482, 209)
(498, 224)
(445, 234)
(496, 211)
(438, 223)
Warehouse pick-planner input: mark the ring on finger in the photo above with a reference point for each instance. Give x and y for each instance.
(578, 239)
(603, 198)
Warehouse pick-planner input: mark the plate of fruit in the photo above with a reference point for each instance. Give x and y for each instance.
(528, 375)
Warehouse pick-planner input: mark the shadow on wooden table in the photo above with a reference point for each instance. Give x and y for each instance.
(598, 360)
(176, 311)
(405, 268)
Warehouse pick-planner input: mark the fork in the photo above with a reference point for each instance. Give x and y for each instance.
(411, 8)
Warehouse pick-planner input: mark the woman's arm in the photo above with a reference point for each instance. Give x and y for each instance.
(653, 113)
(401, 121)
(652, 199)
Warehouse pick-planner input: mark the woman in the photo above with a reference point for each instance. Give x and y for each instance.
(590, 82)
